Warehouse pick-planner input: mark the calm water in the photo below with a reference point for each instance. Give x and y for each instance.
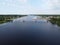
(27, 31)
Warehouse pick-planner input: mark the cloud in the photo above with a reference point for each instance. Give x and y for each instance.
(25, 7)
(50, 6)
(23, 1)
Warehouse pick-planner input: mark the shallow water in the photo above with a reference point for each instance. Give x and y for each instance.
(26, 31)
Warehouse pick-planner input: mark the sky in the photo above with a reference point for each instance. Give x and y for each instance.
(29, 6)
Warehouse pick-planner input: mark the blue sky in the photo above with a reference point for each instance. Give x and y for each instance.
(29, 6)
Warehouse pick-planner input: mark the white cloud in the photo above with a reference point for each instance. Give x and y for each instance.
(24, 7)
(23, 1)
(51, 7)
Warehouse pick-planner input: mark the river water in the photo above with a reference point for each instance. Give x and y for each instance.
(28, 31)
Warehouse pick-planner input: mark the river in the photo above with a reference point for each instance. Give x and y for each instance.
(29, 31)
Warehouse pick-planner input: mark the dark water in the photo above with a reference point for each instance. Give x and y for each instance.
(29, 32)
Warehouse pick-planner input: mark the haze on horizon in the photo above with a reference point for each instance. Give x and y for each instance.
(29, 6)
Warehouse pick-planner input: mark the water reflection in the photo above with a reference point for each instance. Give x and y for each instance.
(30, 19)
(29, 31)
(5, 21)
(55, 21)
(8, 18)
(35, 19)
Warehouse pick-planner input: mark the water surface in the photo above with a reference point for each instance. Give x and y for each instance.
(29, 31)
